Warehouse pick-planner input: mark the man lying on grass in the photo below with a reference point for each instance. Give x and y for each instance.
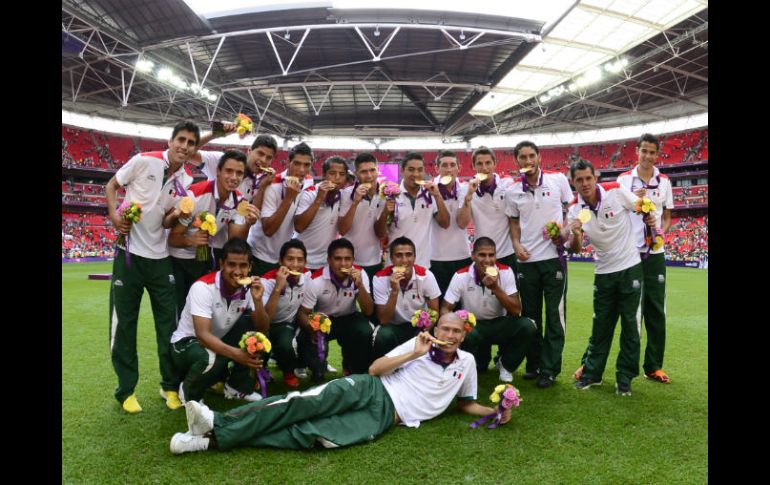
(414, 382)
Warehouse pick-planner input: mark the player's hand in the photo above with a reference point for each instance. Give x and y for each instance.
(198, 238)
(253, 214)
(280, 278)
(640, 192)
(390, 206)
(257, 288)
(355, 275)
(360, 193)
(506, 416)
(252, 361)
(521, 253)
(293, 187)
(395, 280)
(324, 187)
(123, 226)
(422, 343)
(650, 219)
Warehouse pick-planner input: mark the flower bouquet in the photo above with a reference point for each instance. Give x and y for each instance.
(321, 324)
(253, 343)
(243, 126)
(424, 319)
(506, 397)
(390, 190)
(653, 238)
(552, 231)
(131, 212)
(204, 221)
(469, 319)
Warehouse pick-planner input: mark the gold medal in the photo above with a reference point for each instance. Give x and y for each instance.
(584, 215)
(243, 208)
(186, 205)
(244, 281)
(445, 180)
(399, 269)
(419, 182)
(294, 273)
(525, 170)
(491, 271)
(481, 177)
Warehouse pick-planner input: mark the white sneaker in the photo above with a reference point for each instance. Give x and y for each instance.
(505, 376)
(200, 419)
(331, 369)
(300, 373)
(231, 393)
(186, 442)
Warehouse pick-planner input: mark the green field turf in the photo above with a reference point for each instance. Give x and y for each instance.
(558, 435)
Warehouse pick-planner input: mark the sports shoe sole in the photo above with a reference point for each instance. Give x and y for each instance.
(599, 383)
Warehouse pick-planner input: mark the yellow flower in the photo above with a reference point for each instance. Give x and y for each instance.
(499, 389)
(472, 319)
(326, 327)
(210, 219)
(495, 397)
(212, 230)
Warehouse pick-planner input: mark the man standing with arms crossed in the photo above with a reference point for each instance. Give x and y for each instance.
(144, 263)
(535, 199)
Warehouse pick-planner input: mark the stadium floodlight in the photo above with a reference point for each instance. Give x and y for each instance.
(211, 97)
(165, 74)
(572, 87)
(144, 65)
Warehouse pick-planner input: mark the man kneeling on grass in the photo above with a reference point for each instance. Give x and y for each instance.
(414, 382)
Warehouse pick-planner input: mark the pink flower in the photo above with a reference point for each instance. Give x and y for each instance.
(462, 314)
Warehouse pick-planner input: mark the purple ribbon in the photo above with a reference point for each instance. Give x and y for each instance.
(291, 281)
(239, 294)
(525, 186)
(448, 193)
(497, 416)
(405, 285)
(355, 186)
(425, 195)
(179, 188)
(337, 283)
(128, 254)
(437, 356)
(263, 375)
(647, 186)
(598, 202)
(332, 198)
(222, 205)
(320, 340)
(489, 188)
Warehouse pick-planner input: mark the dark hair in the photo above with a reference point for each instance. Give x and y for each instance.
(300, 149)
(482, 150)
(188, 126)
(333, 159)
(446, 153)
(235, 245)
(340, 243)
(411, 156)
(580, 164)
(483, 241)
(292, 244)
(523, 144)
(364, 157)
(266, 141)
(402, 241)
(232, 155)
(649, 138)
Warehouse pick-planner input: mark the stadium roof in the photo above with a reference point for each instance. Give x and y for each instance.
(322, 68)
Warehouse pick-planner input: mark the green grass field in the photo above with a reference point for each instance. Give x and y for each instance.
(558, 435)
